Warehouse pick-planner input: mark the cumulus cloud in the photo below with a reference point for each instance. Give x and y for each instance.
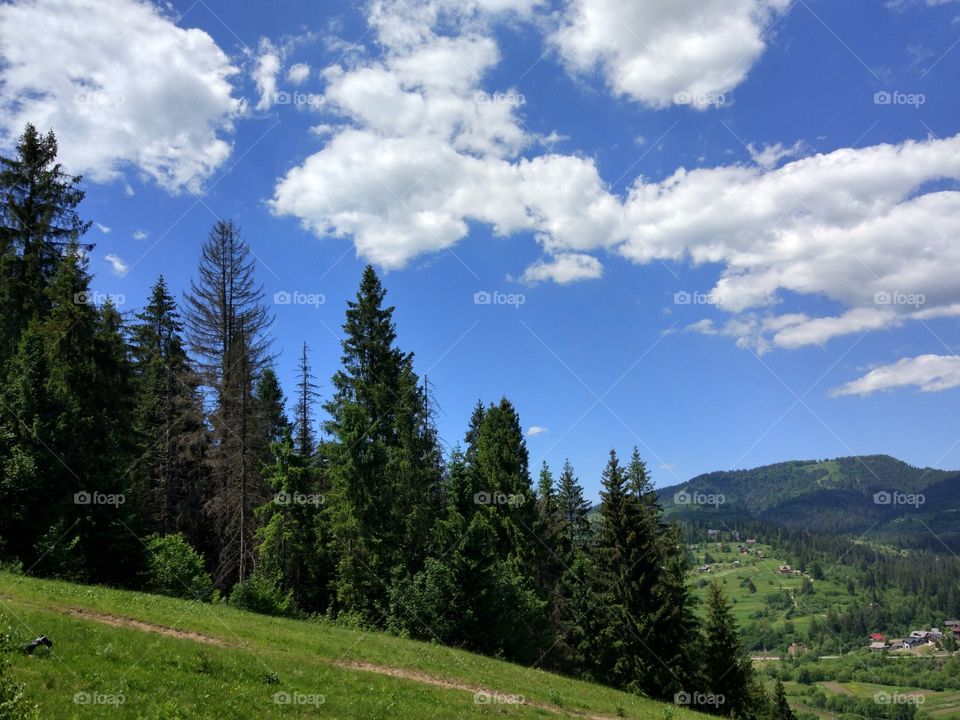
(564, 269)
(265, 71)
(298, 73)
(117, 265)
(535, 430)
(420, 148)
(661, 53)
(929, 373)
(121, 85)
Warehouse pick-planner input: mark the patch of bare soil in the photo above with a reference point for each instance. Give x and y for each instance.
(481, 693)
(124, 622)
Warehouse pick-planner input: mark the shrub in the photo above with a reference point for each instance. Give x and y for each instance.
(174, 568)
(261, 595)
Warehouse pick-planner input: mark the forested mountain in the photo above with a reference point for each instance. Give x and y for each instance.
(875, 494)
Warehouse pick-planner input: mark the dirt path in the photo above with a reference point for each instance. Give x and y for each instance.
(483, 695)
(124, 622)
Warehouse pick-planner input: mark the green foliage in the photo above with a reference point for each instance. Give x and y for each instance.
(174, 568)
(260, 594)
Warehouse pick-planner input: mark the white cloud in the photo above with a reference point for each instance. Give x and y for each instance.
(121, 85)
(564, 269)
(117, 265)
(422, 149)
(929, 373)
(103, 228)
(140, 234)
(769, 156)
(298, 73)
(265, 71)
(535, 430)
(653, 51)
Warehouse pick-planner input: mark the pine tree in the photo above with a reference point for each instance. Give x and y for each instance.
(38, 220)
(781, 708)
(65, 437)
(291, 549)
(727, 668)
(272, 423)
(228, 326)
(304, 440)
(168, 422)
(574, 510)
(384, 464)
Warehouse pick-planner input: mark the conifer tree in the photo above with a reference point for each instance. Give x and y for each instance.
(384, 464)
(781, 708)
(38, 221)
(726, 666)
(304, 439)
(228, 326)
(574, 510)
(168, 422)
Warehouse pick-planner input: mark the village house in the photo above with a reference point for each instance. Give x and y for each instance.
(785, 570)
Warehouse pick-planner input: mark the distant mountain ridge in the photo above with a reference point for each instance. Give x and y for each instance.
(878, 494)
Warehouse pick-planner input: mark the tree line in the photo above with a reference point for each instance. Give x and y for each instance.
(155, 450)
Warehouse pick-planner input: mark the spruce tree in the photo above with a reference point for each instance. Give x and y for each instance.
(228, 326)
(574, 510)
(38, 221)
(727, 668)
(168, 422)
(384, 464)
(304, 439)
(781, 708)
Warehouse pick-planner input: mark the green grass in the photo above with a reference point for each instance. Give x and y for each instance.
(763, 572)
(159, 676)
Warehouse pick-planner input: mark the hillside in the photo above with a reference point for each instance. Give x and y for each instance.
(876, 493)
(136, 655)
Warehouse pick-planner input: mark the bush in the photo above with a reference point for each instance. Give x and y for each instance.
(174, 568)
(261, 595)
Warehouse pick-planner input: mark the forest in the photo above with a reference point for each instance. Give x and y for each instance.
(154, 450)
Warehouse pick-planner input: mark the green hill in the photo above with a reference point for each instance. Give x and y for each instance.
(876, 493)
(134, 655)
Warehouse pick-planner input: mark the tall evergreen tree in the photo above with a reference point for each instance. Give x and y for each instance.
(228, 326)
(727, 667)
(38, 220)
(574, 510)
(781, 707)
(384, 463)
(65, 437)
(168, 422)
(307, 394)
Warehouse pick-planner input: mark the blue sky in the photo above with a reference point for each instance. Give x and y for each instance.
(724, 231)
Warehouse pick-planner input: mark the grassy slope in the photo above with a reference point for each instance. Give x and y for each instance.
(763, 572)
(167, 677)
